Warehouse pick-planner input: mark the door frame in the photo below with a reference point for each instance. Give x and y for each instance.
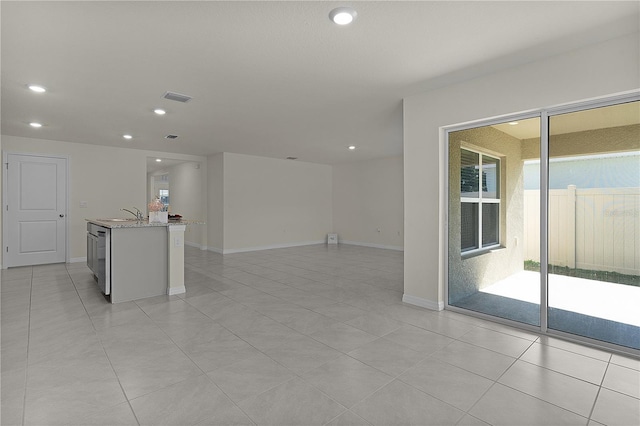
(5, 201)
(544, 114)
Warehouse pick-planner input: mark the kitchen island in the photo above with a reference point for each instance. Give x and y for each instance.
(135, 259)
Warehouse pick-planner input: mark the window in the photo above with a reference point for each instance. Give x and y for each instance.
(163, 194)
(480, 200)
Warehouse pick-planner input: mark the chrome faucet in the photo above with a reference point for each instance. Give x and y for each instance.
(138, 213)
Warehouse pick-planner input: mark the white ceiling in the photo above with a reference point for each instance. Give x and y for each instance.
(274, 79)
(154, 166)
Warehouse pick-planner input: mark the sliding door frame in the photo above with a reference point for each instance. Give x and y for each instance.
(544, 221)
(445, 241)
(544, 114)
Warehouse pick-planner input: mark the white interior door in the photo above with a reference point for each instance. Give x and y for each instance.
(35, 210)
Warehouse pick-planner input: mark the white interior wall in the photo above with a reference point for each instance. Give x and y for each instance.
(215, 202)
(368, 203)
(594, 71)
(150, 186)
(107, 178)
(186, 183)
(274, 203)
(1, 175)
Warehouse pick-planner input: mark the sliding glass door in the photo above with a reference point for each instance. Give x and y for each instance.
(581, 229)
(594, 224)
(493, 179)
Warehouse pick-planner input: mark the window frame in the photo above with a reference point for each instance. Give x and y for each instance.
(480, 200)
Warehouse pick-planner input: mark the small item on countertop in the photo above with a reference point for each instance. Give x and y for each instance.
(158, 212)
(156, 205)
(175, 218)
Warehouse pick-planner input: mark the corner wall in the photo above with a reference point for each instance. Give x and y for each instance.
(186, 188)
(594, 71)
(257, 203)
(368, 203)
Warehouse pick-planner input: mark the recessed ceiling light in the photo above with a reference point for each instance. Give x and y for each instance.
(343, 15)
(513, 123)
(36, 88)
(127, 136)
(352, 147)
(34, 124)
(158, 160)
(159, 111)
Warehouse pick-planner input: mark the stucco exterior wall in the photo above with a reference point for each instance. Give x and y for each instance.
(598, 141)
(469, 274)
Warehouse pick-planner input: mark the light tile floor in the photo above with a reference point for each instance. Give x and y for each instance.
(301, 336)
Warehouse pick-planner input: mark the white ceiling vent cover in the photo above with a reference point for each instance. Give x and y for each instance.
(171, 137)
(172, 96)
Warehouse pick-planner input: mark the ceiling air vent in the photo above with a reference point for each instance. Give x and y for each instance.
(172, 96)
(292, 158)
(171, 137)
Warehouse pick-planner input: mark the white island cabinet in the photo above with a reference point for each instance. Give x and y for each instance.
(140, 259)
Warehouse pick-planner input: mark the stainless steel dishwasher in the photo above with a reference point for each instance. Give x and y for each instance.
(97, 255)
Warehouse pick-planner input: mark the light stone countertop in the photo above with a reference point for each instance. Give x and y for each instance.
(133, 223)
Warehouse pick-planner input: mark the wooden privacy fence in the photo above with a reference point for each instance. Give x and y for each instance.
(595, 229)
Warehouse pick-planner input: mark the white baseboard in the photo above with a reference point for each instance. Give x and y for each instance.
(423, 303)
(273, 246)
(176, 290)
(214, 249)
(380, 246)
(196, 245)
(78, 259)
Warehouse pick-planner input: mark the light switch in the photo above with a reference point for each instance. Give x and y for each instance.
(84, 204)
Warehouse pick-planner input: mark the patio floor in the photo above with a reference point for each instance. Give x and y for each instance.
(614, 302)
(599, 310)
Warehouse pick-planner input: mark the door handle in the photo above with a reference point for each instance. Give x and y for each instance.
(61, 215)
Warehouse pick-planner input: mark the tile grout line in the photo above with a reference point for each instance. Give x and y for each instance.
(379, 337)
(105, 352)
(204, 373)
(540, 399)
(468, 412)
(296, 375)
(595, 401)
(26, 367)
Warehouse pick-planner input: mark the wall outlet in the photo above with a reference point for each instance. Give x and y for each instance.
(177, 242)
(84, 204)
